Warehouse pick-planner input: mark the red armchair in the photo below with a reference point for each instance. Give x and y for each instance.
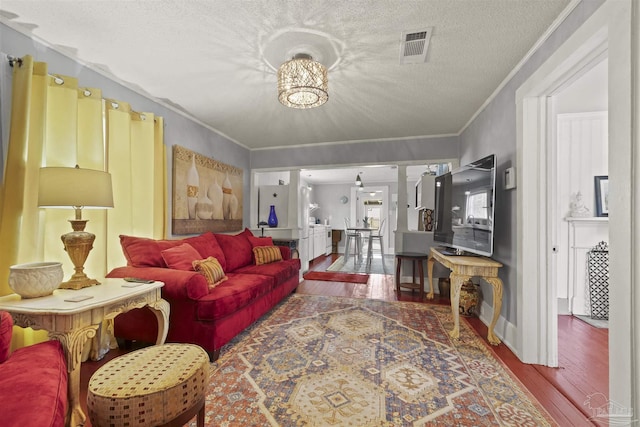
(33, 381)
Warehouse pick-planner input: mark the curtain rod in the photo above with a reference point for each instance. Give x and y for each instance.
(59, 80)
(12, 60)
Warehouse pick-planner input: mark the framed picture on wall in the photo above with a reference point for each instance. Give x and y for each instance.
(602, 195)
(207, 194)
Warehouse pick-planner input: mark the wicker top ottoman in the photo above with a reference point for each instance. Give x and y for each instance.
(153, 386)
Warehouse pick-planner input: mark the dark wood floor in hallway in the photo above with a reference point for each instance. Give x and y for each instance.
(583, 351)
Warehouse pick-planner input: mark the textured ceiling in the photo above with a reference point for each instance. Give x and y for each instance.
(212, 58)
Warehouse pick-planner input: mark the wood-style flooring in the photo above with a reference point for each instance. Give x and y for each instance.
(583, 351)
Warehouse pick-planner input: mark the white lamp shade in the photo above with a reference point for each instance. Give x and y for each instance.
(65, 187)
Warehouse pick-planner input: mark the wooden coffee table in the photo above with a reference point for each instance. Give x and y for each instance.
(73, 323)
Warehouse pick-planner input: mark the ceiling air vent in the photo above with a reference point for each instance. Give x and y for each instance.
(415, 45)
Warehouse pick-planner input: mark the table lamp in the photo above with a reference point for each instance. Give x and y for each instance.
(64, 187)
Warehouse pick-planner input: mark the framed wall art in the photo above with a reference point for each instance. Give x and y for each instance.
(602, 195)
(207, 194)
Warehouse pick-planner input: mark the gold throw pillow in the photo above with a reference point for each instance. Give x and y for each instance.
(211, 269)
(266, 254)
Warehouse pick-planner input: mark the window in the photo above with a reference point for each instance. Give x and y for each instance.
(477, 205)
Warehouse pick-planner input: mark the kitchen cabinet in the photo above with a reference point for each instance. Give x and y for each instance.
(319, 241)
(327, 241)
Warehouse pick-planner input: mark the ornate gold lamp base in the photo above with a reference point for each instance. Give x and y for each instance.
(78, 244)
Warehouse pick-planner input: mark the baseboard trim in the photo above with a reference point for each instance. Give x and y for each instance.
(505, 330)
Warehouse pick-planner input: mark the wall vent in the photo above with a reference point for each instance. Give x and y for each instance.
(415, 45)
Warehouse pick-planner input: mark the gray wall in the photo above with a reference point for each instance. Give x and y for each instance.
(179, 129)
(373, 152)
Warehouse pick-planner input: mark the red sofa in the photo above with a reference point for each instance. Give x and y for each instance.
(33, 381)
(209, 317)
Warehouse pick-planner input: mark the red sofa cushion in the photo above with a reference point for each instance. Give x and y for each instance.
(145, 252)
(232, 295)
(6, 331)
(207, 245)
(178, 284)
(281, 270)
(260, 241)
(33, 386)
(237, 250)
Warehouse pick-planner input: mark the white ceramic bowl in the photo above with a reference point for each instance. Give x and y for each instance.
(35, 279)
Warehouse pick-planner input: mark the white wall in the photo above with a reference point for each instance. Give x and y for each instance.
(582, 145)
(588, 93)
(583, 148)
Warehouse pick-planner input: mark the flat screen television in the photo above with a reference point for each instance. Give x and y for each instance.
(464, 207)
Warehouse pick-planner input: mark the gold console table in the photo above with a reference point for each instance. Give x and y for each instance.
(463, 268)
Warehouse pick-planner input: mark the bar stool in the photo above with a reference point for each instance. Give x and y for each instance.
(352, 235)
(378, 235)
(417, 259)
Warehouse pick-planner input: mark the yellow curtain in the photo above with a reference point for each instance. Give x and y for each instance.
(54, 122)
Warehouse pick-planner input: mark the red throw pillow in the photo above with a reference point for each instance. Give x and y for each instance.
(180, 257)
(141, 252)
(237, 250)
(208, 246)
(260, 241)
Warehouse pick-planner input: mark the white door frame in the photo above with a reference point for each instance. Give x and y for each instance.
(536, 143)
(608, 31)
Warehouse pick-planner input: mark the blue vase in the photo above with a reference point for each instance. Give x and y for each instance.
(273, 218)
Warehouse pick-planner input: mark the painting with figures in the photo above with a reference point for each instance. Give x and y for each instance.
(207, 194)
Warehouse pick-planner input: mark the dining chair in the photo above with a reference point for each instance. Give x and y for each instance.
(356, 236)
(376, 235)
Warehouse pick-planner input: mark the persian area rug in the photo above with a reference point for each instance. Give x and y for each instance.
(332, 361)
(379, 265)
(336, 277)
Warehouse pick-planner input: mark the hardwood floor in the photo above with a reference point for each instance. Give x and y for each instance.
(583, 351)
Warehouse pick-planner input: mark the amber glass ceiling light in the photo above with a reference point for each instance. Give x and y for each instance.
(302, 82)
(76, 188)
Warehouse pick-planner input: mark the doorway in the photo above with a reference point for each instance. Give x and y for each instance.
(580, 146)
(371, 204)
(605, 33)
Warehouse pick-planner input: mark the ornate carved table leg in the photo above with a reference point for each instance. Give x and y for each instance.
(421, 273)
(456, 285)
(430, 263)
(161, 310)
(496, 283)
(398, 264)
(73, 342)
